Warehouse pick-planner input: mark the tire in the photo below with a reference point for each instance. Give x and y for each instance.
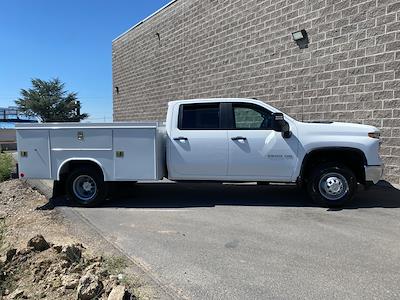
(331, 185)
(86, 187)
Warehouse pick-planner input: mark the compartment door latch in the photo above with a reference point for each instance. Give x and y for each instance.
(80, 135)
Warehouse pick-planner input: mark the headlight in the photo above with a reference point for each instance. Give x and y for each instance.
(374, 135)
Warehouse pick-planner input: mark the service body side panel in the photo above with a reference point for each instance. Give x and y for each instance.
(93, 144)
(124, 151)
(35, 144)
(81, 138)
(137, 158)
(103, 158)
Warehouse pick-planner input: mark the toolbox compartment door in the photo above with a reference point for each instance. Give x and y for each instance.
(135, 154)
(34, 153)
(81, 139)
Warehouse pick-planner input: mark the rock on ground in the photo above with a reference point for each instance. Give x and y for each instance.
(118, 293)
(89, 287)
(16, 294)
(72, 253)
(38, 243)
(70, 282)
(3, 215)
(59, 272)
(10, 254)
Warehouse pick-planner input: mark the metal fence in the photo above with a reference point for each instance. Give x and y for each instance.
(8, 117)
(12, 114)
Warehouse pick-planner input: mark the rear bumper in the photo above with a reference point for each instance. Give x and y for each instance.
(373, 173)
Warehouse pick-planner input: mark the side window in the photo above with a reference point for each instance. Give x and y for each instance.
(248, 116)
(199, 116)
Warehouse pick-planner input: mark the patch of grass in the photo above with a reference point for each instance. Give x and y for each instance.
(115, 265)
(6, 166)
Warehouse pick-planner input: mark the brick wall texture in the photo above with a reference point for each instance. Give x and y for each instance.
(244, 48)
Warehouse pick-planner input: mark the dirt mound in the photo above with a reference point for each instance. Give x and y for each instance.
(18, 203)
(31, 267)
(42, 270)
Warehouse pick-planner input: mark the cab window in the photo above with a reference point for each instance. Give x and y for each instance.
(199, 116)
(251, 116)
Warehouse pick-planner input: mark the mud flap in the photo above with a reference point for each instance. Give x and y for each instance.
(58, 189)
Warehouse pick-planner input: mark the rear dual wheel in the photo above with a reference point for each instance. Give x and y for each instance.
(86, 187)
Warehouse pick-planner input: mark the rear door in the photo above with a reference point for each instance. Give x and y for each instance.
(198, 146)
(256, 152)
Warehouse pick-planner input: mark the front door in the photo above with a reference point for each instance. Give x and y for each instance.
(256, 152)
(198, 146)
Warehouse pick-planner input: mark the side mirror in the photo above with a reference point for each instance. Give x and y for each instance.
(280, 125)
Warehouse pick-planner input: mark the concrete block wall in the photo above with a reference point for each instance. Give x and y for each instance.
(244, 48)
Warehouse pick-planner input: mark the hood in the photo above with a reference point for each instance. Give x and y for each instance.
(336, 128)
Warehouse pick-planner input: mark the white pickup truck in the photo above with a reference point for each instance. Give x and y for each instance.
(225, 140)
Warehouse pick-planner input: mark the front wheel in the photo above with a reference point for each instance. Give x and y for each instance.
(332, 185)
(86, 187)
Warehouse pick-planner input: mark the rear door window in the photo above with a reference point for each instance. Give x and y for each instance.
(199, 116)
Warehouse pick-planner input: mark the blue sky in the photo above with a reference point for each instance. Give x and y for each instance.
(69, 39)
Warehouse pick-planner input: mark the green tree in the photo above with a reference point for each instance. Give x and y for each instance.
(50, 101)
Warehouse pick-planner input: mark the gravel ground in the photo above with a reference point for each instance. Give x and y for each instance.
(18, 203)
(57, 266)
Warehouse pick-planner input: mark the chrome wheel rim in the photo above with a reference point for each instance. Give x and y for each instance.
(84, 187)
(333, 186)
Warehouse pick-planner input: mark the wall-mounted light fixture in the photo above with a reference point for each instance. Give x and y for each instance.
(301, 38)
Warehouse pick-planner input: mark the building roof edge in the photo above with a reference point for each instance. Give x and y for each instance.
(144, 20)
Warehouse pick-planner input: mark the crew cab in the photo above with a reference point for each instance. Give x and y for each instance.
(224, 140)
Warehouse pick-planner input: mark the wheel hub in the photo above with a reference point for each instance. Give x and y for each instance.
(84, 187)
(87, 186)
(333, 186)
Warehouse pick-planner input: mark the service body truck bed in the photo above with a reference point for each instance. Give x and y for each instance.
(124, 151)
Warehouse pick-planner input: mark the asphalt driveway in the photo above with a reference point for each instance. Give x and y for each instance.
(214, 241)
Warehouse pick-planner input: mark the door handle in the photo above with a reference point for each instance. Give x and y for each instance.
(181, 138)
(238, 138)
